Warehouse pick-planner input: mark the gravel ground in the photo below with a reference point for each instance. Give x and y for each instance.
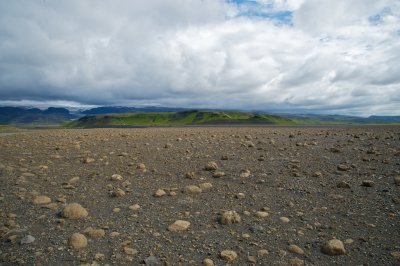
(201, 196)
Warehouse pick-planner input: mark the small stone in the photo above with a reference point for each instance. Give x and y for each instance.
(190, 175)
(51, 206)
(262, 252)
(317, 174)
(396, 254)
(245, 173)
(134, 207)
(296, 262)
(159, 193)
(39, 200)
(284, 220)
(95, 233)
(152, 261)
(208, 262)
(368, 183)
(396, 180)
(74, 180)
(218, 174)
(27, 239)
(141, 166)
(114, 234)
(117, 193)
(205, 186)
(251, 259)
(343, 167)
(116, 177)
(99, 256)
(74, 211)
(240, 195)
(77, 241)
(296, 249)
(262, 214)
(211, 166)
(343, 184)
(130, 251)
(249, 144)
(179, 225)
(192, 189)
(334, 247)
(228, 255)
(230, 217)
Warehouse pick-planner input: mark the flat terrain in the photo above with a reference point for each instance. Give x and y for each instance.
(289, 191)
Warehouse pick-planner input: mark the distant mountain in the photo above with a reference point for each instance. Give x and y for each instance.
(183, 118)
(125, 110)
(24, 116)
(342, 119)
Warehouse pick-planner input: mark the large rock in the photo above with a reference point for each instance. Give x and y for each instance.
(179, 225)
(39, 200)
(334, 247)
(74, 211)
(230, 217)
(229, 255)
(77, 241)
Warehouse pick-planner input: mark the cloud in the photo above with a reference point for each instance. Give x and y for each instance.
(332, 56)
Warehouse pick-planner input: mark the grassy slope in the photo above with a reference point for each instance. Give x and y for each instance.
(180, 119)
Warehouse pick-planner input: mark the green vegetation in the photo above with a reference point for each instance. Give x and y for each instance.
(7, 128)
(193, 117)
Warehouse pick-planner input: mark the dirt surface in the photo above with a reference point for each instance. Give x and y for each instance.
(269, 196)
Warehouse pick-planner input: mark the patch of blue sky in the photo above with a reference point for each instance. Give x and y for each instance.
(252, 8)
(378, 18)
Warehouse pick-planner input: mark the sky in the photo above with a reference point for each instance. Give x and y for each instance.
(296, 56)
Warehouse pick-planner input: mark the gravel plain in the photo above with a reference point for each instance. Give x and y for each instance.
(201, 196)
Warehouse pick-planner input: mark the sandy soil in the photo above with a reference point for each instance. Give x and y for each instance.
(277, 197)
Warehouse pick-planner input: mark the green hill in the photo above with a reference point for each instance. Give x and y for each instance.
(193, 117)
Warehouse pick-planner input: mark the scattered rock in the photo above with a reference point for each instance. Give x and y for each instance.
(159, 193)
(218, 174)
(208, 262)
(95, 233)
(39, 200)
(343, 167)
(116, 177)
(251, 259)
(117, 193)
(396, 254)
(245, 173)
(74, 180)
(211, 166)
(179, 225)
(396, 180)
(334, 247)
(343, 184)
(28, 239)
(74, 211)
(230, 217)
(262, 214)
(296, 249)
(284, 220)
(190, 175)
(205, 186)
(77, 241)
(152, 261)
(228, 255)
(368, 183)
(134, 207)
(192, 189)
(296, 262)
(130, 251)
(262, 252)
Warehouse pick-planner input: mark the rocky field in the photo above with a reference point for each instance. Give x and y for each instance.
(201, 196)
